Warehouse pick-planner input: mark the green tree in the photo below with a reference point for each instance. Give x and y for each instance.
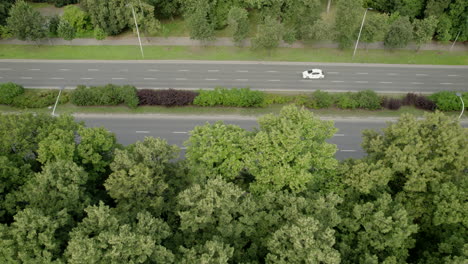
(436, 7)
(301, 16)
(427, 163)
(53, 23)
(375, 28)
(305, 240)
(210, 252)
(423, 30)
(443, 29)
(26, 23)
(77, 18)
(409, 8)
(348, 15)
(147, 23)
(112, 16)
(200, 26)
(269, 34)
(322, 30)
(61, 185)
(65, 30)
(99, 34)
(399, 34)
(107, 237)
(165, 9)
(294, 141)
(138, 181)
(238, 20)
(32, 238)
(4, 9)
(458, 13)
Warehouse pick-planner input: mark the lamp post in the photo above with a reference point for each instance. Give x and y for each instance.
(360, 30)
(463, 104)
(138, 31)
(56, 102)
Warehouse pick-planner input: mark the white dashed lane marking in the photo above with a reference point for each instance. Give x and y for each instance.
(64, 69)
(183, 70)
(385, 82)
(5, 69)
(339, 135)
(213, 70)
(118, 78)
(337, 81)
(242, 71)
(142, 132)
(149, 78)
(153, 70)
(332, 72)
(421, 74)
(362, 73)
(361, 81)
(393, 74)
(271, 71)
(452, 75)
(93, 69)
(181, 79)
(446, 83)
(26, 78)
(273, 80)
(34, 69)
(86, 78)
(417, 83)
(244, 80)
(56, 78)
(211, 79)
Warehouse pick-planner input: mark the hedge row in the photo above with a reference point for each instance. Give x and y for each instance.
(243, 97)
(105, 95)
(169, 97)
(14, 95)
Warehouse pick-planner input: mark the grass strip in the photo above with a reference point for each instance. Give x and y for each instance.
(231, 53)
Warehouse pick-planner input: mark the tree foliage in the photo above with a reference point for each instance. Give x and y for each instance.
(423, 30)
(269, 34)
(239, 22)
(399, 34)
(111, 16)
(26, 23)
(66, 31)
(348, 15)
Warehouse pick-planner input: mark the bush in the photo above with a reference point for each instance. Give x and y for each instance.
(321, 100)
(99, 34)
(53, 24)
(169, 97)
(243, 97)
(425, 103)
(277, 99)
(34, 99)
(346, 101)
(419, 101)
(392, 103)
(8, 91)
(448, 101)
(368, 99)
(105, 95)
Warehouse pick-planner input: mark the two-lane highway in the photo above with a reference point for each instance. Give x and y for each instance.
(176, 129)
(272, 76)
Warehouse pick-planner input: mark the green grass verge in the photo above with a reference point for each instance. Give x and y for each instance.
(194, 110)
(230, 53)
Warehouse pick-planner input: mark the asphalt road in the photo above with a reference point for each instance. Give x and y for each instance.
(176, 130)
(273, 76)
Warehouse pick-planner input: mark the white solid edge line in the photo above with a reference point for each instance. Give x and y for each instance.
(179, 132)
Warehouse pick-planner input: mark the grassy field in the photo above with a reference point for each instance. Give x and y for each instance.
(229, 53)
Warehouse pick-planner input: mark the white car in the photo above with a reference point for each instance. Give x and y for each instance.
(313, 74)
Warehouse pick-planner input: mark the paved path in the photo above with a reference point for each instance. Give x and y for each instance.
(186, 41)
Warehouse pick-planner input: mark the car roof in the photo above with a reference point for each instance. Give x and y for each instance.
(315, 70)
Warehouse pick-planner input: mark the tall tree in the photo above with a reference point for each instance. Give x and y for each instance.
(77, 18)
(301, 16)
(66, 31)
(138, 181)
(426, 159)
(269, 34)
(107, 237)
(375, 28)
(4, 9)
(436, 7)
(112, 16)
(348, 15)
(26, 23)
(423, 30)
(239, 22)
(399, 34)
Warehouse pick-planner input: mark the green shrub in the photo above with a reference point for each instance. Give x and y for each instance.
(8, 91)
(448, 101)
(321, 100)
(346, 101)
(243, 97)
(105, 95)
(368, 99)
(277, 99)
(39, 99)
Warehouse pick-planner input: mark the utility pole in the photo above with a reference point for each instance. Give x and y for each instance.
(56, 102)
(360, 30)
(328, 6)
(138, 31)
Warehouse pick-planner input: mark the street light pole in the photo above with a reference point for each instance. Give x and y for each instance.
(463, 104)
(56, 102)
(138, 31)
(360, 30)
